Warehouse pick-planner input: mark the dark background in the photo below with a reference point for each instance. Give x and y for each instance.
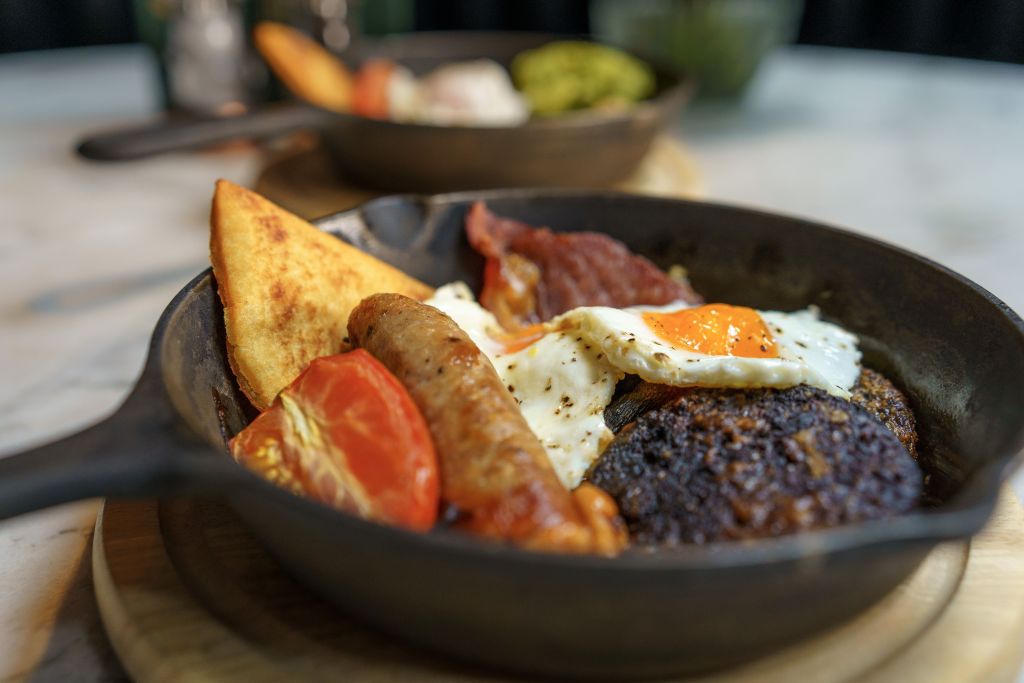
(980, 29)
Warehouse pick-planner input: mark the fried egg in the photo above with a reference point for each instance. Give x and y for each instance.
(718, 345)
(563, 373)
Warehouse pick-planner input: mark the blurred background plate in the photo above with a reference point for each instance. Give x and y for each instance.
(303, 179)
(592, 148)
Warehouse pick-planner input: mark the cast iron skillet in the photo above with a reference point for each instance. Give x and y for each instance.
(585, 149)
(956, 349)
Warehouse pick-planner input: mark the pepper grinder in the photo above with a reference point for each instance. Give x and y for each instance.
(210, 70)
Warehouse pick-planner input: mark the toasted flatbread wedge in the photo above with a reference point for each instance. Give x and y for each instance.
(287, 289)
(306, 68)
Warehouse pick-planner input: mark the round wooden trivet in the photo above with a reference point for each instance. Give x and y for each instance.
(302, 179)
(186, 594)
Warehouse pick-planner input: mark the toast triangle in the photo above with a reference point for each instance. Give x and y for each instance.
(287, 289)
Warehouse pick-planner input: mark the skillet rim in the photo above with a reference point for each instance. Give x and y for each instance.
(920, 527)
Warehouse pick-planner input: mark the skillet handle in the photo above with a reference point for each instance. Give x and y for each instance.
(138, 143)
(139, 451)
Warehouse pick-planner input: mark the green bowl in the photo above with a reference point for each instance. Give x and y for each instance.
(719, 42)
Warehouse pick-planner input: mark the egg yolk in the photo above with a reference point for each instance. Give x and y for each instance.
(715, 330)
(520, 339)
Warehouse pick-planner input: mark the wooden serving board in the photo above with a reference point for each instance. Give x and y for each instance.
(302, 179)
(186, 594)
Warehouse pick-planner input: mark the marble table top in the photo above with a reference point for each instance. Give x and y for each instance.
(919, 151)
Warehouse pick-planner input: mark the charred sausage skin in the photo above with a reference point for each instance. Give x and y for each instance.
(493, 469)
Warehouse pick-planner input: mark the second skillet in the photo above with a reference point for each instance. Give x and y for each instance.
(578, 149)
(957, 350)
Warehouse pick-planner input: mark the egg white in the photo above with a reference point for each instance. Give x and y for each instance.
(811, 352)
(561, 385)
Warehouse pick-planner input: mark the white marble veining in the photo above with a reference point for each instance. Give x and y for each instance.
(922, 152)
(89, 256)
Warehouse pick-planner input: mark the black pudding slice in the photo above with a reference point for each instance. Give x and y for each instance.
(732, 464)
(880, 397)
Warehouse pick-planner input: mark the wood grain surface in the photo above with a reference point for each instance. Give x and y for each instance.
(186, 594)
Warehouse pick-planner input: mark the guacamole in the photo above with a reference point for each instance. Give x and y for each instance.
(569, 75)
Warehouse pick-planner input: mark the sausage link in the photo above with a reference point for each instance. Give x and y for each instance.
(493, 469)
